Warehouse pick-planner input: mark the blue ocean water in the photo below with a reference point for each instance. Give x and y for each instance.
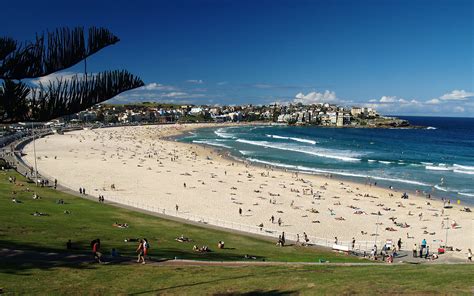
(438, 159)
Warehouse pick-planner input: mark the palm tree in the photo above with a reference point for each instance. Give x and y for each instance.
(48, 54)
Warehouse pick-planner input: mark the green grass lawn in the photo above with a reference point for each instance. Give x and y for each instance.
(89, 279)
(89, 220)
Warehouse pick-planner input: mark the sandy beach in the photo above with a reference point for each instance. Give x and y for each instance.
(137, 164)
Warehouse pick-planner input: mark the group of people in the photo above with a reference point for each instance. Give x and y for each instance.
(422, 251)
(82, 191)
(101, 199)
(281, 240)
(203, 249)
(142, 250)
(279, 221)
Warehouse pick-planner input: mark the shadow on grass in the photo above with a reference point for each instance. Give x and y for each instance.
(19, 258)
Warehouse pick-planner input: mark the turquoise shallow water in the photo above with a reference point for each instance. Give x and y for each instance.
(438, 159)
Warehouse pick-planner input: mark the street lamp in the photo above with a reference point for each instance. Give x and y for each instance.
(376, 230)
(447, 228)
(34, 153)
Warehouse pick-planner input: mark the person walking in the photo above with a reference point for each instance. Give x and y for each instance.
(469, 255)
(96, 250)
(399, 244)
(146, 247)
(415, 249)
(141, 252)
(240, 211)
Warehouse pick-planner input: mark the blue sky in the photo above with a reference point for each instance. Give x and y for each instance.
(402, 57)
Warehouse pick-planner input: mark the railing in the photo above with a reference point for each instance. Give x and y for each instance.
(359, 246)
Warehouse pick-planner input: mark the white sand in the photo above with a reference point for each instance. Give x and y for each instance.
(139, 164)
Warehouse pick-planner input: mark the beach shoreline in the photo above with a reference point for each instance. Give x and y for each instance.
(295, 208)
(342, 178)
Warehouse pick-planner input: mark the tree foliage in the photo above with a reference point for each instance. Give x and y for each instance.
(50, 53)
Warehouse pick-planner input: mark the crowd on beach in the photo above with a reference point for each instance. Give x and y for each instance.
(207, 183)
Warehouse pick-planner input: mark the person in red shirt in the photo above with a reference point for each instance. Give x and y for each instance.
(96, 250)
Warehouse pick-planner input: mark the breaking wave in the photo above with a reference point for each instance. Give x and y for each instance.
(221, 132)
(319, 152)
(211, 143)
(319, 171)
(301, 140)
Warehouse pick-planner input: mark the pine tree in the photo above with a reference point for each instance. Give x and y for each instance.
(48, 54)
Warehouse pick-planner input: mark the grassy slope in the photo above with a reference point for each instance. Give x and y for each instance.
(89, 220)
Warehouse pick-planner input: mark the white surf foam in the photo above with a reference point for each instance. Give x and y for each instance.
(319, 152)
(245, 152)
(464, 167)
(466, 194)
(431, 128)
(385, 162)
(211, 143)
(437, 168)
(441, 188)
(371, 160)
(318, 171)
(221, 132)
(301, 140)
(464, 172)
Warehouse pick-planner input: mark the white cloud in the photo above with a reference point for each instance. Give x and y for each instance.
(45, 80)
(195, 81)
(315, 97)
(158, 86)
(174, 94)
(459, 109)
(387, 99)
(179, 94)
(457, 95)
(433, 102)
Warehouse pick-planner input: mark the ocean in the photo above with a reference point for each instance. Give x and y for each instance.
(438, 159)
